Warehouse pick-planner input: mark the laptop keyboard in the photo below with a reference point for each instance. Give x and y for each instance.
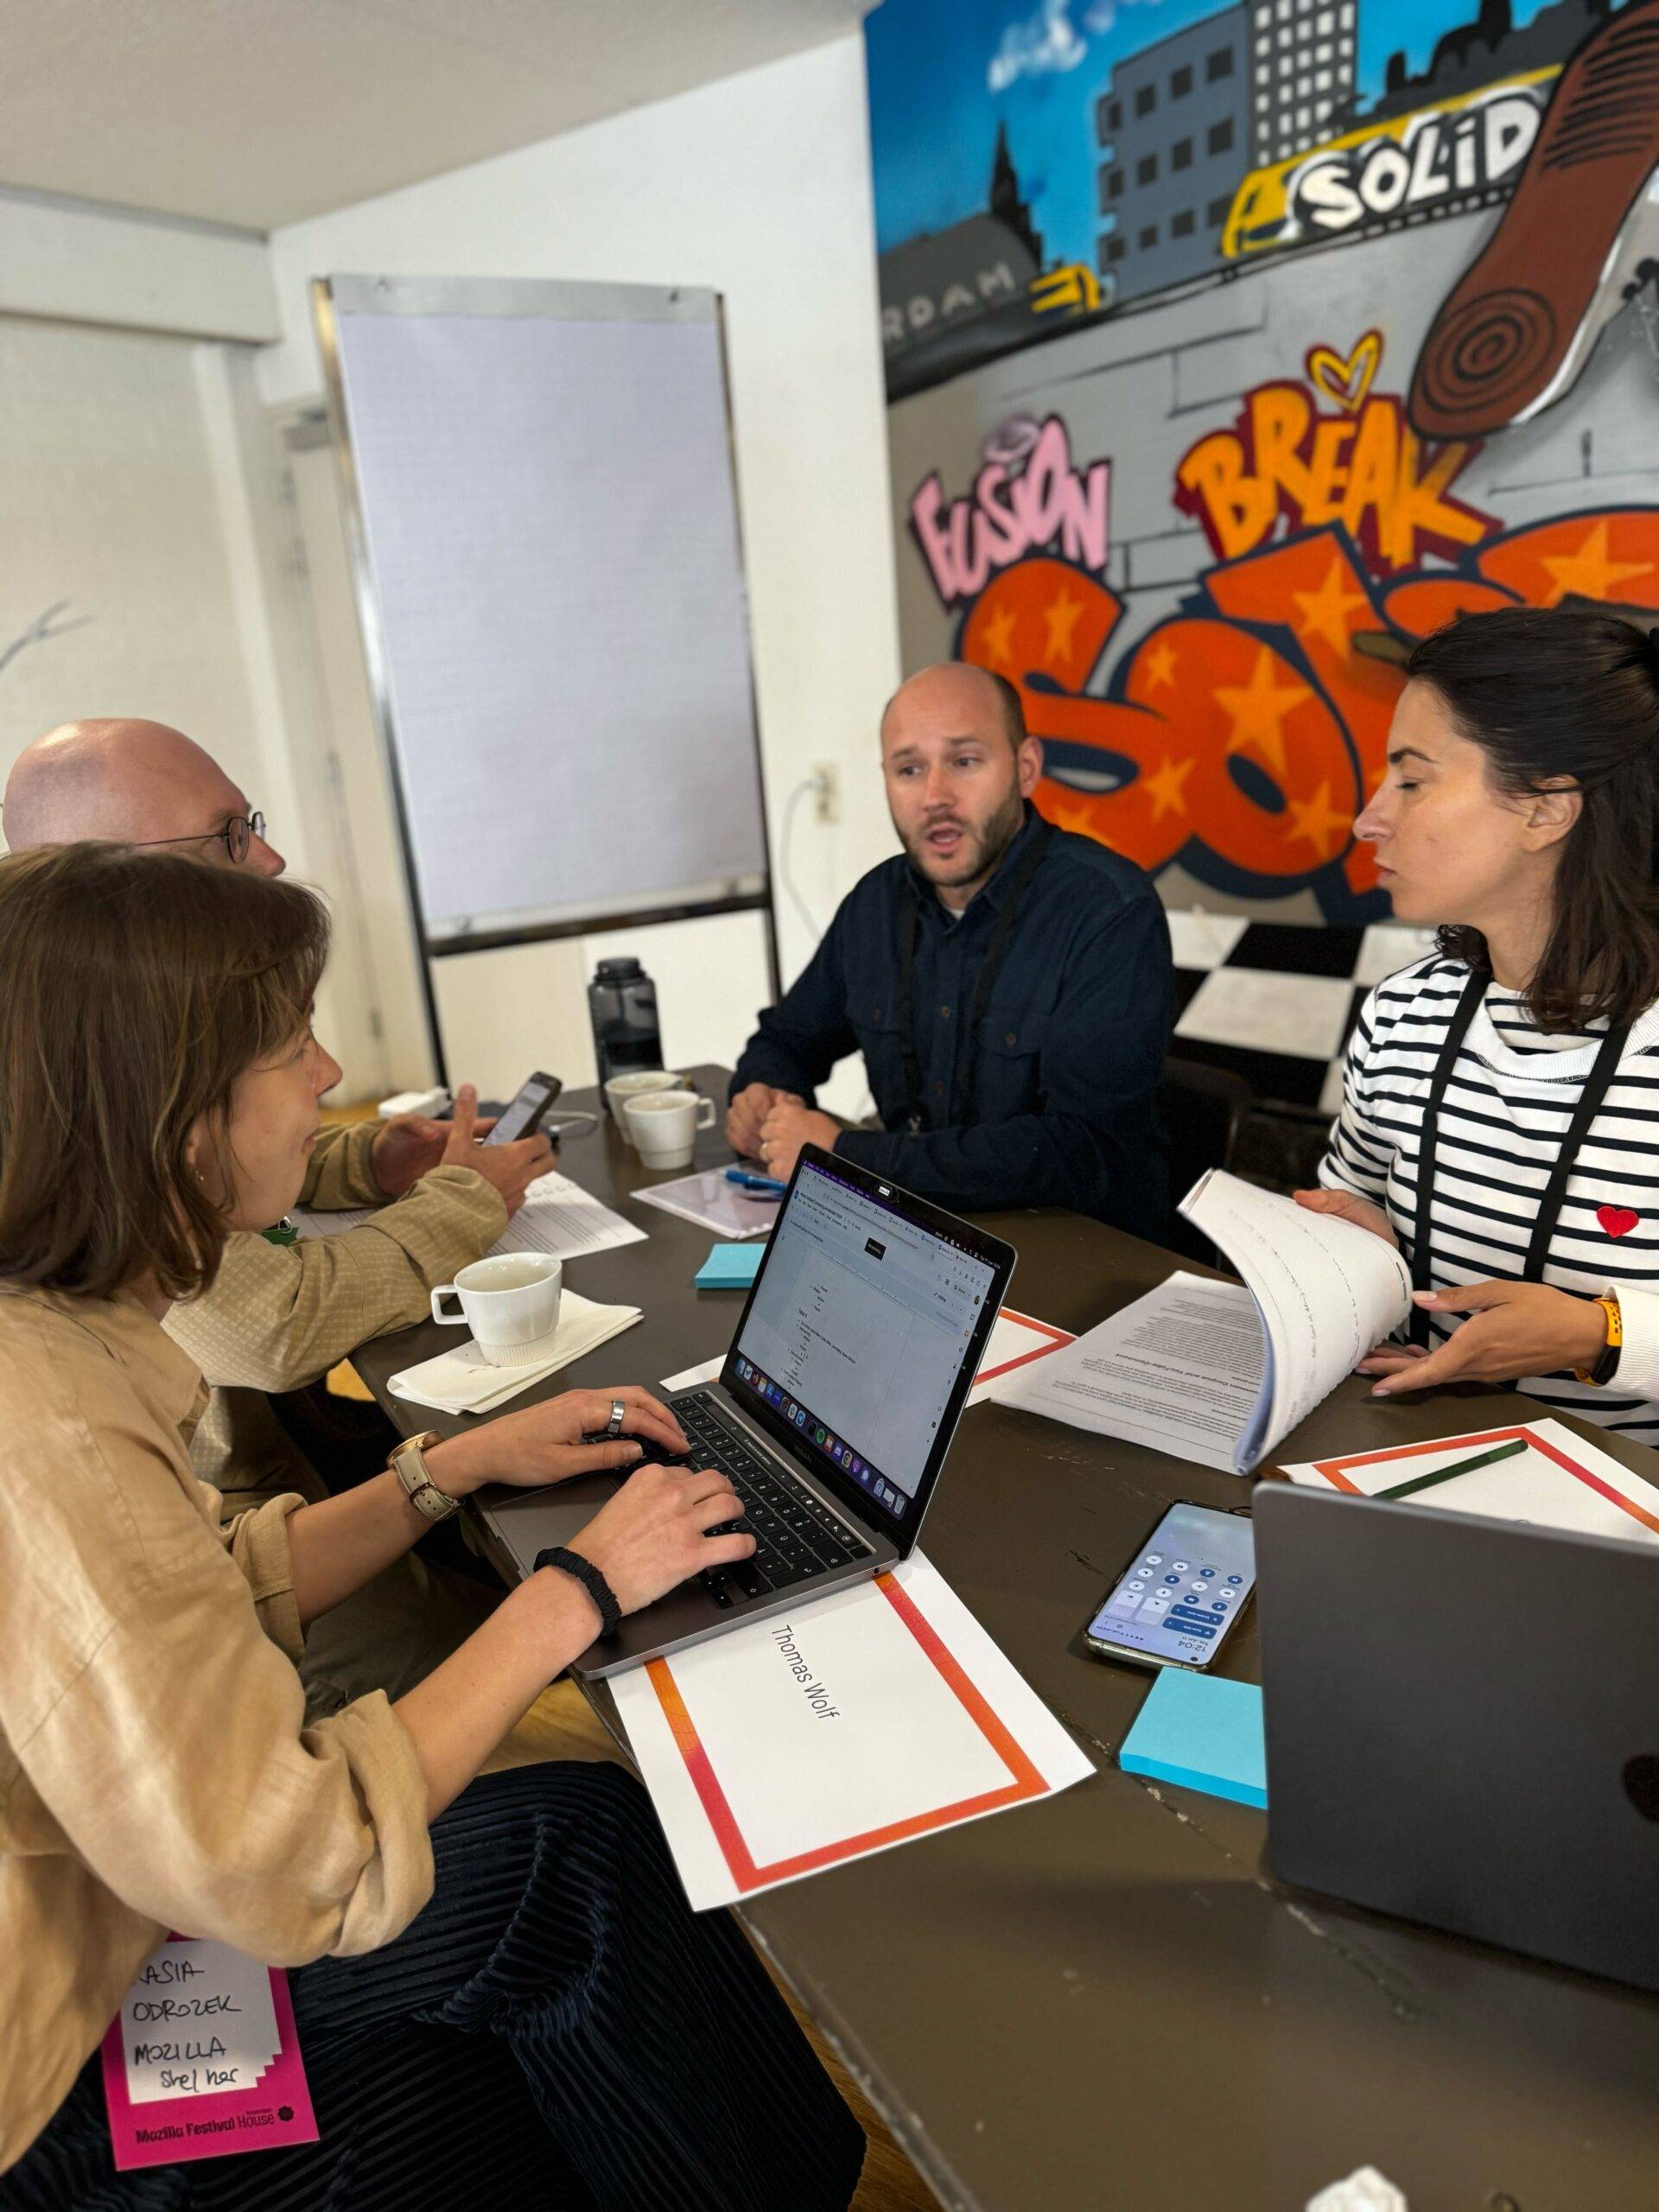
(795, 1535)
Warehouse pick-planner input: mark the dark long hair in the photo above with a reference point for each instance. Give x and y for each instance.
(1554, 692)
(135, 988)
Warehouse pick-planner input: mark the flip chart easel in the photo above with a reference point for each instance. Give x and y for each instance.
(541, 502)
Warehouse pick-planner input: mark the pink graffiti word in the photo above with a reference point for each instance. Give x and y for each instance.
(1008, 516)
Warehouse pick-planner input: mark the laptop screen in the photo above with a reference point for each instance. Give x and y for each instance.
(859, 1329)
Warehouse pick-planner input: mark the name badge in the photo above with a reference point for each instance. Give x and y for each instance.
(202, 2059)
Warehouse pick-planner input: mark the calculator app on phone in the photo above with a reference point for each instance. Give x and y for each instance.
(1183, 1591)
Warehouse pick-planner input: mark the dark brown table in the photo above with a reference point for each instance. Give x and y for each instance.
(1103, 2001)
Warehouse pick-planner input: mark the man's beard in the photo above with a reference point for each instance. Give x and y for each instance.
(982, 846)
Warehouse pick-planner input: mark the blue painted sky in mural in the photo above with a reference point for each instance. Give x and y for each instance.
(934, 115)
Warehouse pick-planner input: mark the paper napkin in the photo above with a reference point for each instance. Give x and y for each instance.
(464, 1381)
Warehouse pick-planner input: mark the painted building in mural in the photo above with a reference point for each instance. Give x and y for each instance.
(1410, 367)
(951, 297)
(1254, 83)
(1302, 71)
(1173, 121)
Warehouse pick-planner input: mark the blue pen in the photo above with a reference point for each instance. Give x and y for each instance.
(742, 1177)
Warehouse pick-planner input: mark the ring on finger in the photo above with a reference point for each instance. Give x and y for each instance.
(619, 1414)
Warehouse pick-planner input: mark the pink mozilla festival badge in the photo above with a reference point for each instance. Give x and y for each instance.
(202, 2059)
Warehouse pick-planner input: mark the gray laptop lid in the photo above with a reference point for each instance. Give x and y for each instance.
(1463, 1723)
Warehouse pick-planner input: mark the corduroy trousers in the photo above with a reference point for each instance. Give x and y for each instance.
(555, 2029)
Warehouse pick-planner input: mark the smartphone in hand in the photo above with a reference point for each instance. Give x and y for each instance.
(523, 1117)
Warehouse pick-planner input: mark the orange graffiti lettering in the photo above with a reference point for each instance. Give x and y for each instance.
(1369, 470)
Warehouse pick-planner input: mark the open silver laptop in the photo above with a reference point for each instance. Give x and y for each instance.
(833, 1413)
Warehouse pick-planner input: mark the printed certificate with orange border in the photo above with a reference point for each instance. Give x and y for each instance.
(1558, 1481)
(857, 1722)
(1015, 1343)
(1016, 1340)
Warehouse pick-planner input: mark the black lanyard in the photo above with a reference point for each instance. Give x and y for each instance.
(910, 923)
(1601, 1074)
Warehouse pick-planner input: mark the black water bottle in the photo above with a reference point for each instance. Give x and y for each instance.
(622, 1005)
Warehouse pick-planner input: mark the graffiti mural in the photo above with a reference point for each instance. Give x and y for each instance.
(1239, 737)
(1229, 351)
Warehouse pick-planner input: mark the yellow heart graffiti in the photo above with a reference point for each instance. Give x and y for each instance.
(1347, 381)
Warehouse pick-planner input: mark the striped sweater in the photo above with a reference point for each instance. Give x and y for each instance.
(1505, 1111)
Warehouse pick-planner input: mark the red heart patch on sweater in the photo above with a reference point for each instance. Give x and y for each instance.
(1617, 1221)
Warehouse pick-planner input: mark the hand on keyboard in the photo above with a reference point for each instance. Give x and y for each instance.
(563, 1436)
(790, 1533)
(797, 1536)
(663, 1525)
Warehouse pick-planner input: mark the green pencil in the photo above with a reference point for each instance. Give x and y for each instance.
(1457, 1467)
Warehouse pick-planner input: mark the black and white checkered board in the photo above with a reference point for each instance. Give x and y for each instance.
(1276, 1001)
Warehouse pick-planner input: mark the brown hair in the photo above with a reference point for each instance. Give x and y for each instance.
(1014, 708)
(1566, 692)
(135, 988)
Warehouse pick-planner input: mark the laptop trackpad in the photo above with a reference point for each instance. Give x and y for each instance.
(528, 1520)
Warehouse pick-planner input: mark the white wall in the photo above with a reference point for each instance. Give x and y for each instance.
(126, 500)
(111, 505)
(758, 185)
(78, 262)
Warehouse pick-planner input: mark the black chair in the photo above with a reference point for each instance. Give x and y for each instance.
(1202, 1109)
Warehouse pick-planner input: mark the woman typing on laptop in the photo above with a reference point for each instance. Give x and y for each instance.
(1501, 1100)
(499, 1986)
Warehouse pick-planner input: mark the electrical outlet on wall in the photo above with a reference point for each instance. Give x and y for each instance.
(826, 792)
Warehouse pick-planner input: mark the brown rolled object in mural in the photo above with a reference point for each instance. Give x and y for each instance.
(1514, 333)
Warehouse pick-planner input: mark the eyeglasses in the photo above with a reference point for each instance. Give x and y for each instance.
(237, 836)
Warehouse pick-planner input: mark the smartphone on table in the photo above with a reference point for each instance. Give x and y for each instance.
(1179, 1599)
(523, 1117)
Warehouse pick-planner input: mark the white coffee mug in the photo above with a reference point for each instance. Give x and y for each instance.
(664, 1125)
(510, 1303)
(634, 1084)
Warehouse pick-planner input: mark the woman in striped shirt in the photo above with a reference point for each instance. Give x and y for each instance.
(1500, 1118)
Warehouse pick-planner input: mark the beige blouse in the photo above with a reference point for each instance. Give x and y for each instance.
(279, 1316)
(155, 1771)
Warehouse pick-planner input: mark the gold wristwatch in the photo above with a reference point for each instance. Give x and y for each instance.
(408, 1463)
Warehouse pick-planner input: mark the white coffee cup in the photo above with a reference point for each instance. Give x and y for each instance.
(664, 1125)
(635, 1085)
(510, 1303)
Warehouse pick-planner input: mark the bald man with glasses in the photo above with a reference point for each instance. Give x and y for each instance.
(281, 1315)
(132, 783)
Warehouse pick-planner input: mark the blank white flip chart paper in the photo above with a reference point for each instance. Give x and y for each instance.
(547, 503)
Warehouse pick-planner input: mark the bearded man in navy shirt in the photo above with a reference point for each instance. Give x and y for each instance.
(1008, 983)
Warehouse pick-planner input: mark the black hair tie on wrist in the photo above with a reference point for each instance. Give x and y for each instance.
(583, 1571)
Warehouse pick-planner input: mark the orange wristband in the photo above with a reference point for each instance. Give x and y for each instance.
(1615, 1321)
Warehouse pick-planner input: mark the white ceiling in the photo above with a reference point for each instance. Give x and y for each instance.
(260, 112)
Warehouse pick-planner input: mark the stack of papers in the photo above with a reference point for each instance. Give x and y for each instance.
(847, 1725)
(1181, 1368)
(1217, 1374)
(464, 1381)
(557, 1216)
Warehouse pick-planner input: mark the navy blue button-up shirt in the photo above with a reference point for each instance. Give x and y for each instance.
(1062, 1068)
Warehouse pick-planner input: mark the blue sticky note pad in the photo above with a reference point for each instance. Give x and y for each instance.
(1203, 1733)
(731, 1266)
